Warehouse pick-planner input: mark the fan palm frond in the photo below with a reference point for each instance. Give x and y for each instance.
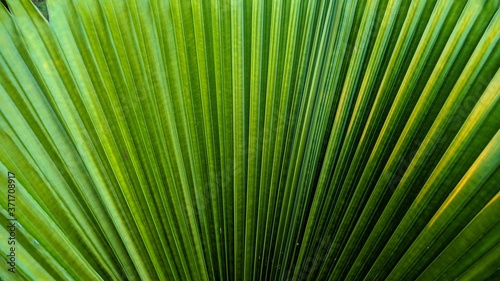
(250, 140)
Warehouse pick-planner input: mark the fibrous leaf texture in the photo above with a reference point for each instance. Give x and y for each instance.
(251, 139)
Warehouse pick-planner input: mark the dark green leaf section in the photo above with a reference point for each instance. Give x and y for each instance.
(251, 139)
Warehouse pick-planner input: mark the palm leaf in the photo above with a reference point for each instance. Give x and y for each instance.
(250, 139)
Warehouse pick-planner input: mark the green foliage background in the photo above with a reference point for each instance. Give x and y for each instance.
(252, 139)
